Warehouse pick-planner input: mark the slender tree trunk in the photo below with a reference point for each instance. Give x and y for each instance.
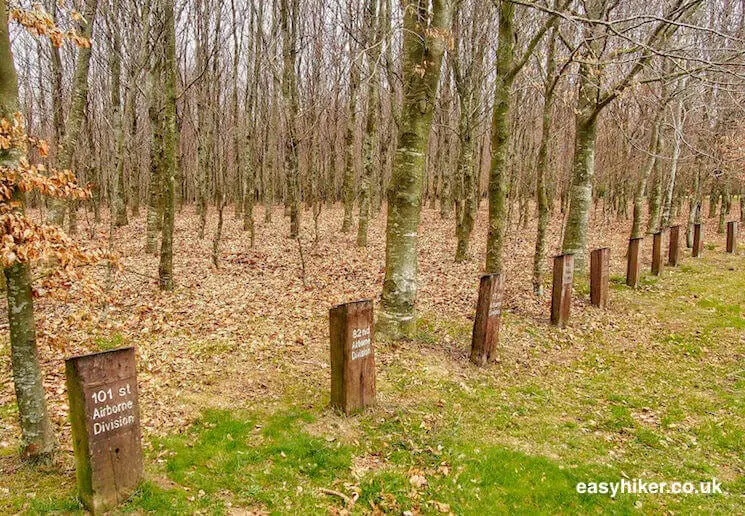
(170, 147)
(56, 213)
(678, 139)
(37, 441)
(204, 129)
(155, 188)
(694, 214)
(724, 208)
(542, 167)
(641, 188)
(289, 27)
(465, 203)
(117, 198)
(348, 185)
(370, 142)
(655, 200)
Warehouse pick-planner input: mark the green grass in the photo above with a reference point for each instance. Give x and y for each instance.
(116, 340)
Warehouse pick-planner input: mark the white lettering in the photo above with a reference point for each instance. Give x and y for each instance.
(120, 422)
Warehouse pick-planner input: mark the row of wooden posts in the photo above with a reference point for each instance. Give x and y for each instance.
(103, 393)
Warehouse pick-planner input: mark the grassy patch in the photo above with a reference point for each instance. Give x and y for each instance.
(114, 341)
(231, 460)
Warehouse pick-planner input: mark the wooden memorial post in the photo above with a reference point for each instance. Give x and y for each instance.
(673, 250)
(561, 293)
(732, 237)
(657, 253)
(488, 316)
(698, 244)
(599, 264)
(352, 356)
(105, 417)
(632, 262)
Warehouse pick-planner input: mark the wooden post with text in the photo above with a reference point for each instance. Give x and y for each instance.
(561, 293)
(599, 265)
(698, 241)
(352, 356)
(105, 417)
(673, 248)
(488, 317)
(657, 253)
(632, 262)
(732, 237)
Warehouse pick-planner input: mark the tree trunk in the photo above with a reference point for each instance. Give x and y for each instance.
(170, 147)
(465, 202)
(641, 188)
(542, 167)
(500, 139)
(289, 27)
(370, 142)
(56, 213)
(37, 440)
(422, 55)
(583, 161)
(678, 139)
(348, 187)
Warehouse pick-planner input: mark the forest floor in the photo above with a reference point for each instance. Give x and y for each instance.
(234, 380)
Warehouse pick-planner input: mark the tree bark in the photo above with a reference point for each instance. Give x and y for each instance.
(370, 142)
(542, 167)
(641, 188)
(289, 27)
(500, 138)
(57, 207)
(170, 147)
(37, 440)
(422, 55)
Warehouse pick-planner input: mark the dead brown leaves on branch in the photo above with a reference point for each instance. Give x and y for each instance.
(22, 240)
(39, 22)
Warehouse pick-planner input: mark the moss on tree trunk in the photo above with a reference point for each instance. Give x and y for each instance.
(37, 442)
(424, 37)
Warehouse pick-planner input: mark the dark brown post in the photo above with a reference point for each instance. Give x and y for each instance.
(561, 294)
(673, 250)
(657, 253)
(632, 262)
(732, 237)
(599, 263)
(352, 356)
(488, 316)
(105, 417)
(698, 243)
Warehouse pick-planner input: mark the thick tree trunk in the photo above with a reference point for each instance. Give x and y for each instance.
(583, 161)
(422, 54)
(500, 139)
(37, 442)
